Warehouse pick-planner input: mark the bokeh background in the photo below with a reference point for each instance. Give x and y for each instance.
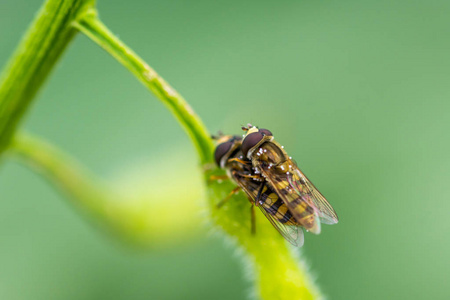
(357, 92)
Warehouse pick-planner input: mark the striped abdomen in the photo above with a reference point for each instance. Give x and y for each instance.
(302, 213)
(275, 206)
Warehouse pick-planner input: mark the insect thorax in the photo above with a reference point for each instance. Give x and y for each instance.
(269, 154)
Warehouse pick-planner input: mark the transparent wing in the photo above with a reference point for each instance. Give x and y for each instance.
(308, 192)
(302, 211)
(292, 233)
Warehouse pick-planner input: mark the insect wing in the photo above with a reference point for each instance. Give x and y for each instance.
(292, 233)
(308, 192)
(302, 211)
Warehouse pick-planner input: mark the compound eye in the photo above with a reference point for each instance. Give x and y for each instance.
(221, 150)
(265, 132)
(250, 141)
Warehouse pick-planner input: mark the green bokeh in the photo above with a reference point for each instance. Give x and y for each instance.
(357, 92)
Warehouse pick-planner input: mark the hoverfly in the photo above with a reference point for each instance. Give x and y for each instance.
(307, 205)
(228, 155)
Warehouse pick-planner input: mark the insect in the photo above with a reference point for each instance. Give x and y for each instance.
(228, 155)
(307, 205)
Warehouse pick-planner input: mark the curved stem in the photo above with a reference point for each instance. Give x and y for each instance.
(277, 272)
(33, 60)
(128, 216)
(61, 170)
(99, 33)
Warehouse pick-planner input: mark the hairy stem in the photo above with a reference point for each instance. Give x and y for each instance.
(99, 33)
(33, 60)
(277, 271)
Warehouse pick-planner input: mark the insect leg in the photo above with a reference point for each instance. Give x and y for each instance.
(218, 177)
(257, 199)
(252, 220)
(240, 161)
(251, 176)
(224, 200)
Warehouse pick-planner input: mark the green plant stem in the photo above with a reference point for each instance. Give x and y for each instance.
(100, 34)
(61, 170)
(130, 217)
(33, 60)
(278, 272)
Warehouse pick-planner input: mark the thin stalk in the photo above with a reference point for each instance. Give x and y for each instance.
(277, 271)
(61, 170)
(193, 125)
(130, 216)
(29, 67)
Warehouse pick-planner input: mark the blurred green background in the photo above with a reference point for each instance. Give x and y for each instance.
(357, 92)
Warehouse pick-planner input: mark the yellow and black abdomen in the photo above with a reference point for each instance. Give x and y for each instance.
(275, 206)
(302, 213)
